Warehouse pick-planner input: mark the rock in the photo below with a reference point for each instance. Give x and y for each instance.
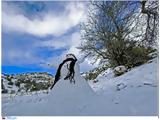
(153, 55)
(95, 81)
(119, 70)
(4, 91)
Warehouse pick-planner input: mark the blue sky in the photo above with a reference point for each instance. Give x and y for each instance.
(37, 33)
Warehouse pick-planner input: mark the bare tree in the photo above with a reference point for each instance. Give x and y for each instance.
(105, 34)
(150, 9)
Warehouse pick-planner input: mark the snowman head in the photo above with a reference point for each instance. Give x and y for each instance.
(70, 56)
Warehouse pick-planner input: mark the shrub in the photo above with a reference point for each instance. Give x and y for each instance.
(137, 56)
(27, 86)
(17, 83)
(127, 53)
(92, 75)
(34, 88)
(10, 83)
(12, 91)
(118, 51)
(9, 79)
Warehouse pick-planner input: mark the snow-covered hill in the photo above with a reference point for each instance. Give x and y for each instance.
(133, 93)
(25, 82)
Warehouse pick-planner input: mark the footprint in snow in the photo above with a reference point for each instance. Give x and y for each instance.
(150, 84)
(139, 86)
(115, 101)
(120, 86)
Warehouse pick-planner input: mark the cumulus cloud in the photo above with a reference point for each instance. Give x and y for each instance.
(72, 42)
(50, 24)
(17, 57)
(25, 51)
(55, 44)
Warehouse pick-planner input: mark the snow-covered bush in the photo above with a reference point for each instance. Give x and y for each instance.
(17, 83)
(10, 83)
(109, 73)
(24, 82)
(119, 70)
(12, 91)
(93, 74)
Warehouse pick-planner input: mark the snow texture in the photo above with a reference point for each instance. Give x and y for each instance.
(133, 93)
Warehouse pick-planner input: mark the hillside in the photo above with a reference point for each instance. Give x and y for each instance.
(134, 93)
(26, 82)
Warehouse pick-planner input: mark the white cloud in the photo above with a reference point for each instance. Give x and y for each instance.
(72, 41)
(55, 44)
(51, 24)
(16, 57)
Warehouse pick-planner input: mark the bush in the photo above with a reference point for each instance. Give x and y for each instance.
(127, 53)
(12, 91)
(137, 56)
(17, 83)
(8, 78)
(34, 88)
(118, 51)
(92, 75)
(27, 86)
(10, 83)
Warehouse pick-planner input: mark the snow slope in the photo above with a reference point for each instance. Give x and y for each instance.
(134, 93)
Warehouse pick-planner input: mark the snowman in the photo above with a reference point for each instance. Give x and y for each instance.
(68, 79)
